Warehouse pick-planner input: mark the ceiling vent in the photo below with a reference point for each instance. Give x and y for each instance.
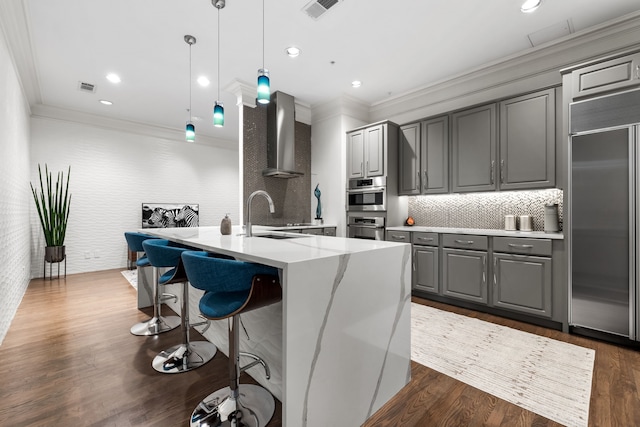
(316, 8)
(86, 87)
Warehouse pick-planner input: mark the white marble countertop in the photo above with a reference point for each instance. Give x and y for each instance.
(481, 232)
(275, 252)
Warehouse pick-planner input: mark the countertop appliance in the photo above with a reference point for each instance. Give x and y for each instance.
(604, 219)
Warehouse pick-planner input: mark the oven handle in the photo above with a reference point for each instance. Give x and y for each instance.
(364, 190)
(366, 226)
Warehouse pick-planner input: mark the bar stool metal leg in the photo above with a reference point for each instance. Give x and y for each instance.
(157, 324)
(239, 404)
(188, 355)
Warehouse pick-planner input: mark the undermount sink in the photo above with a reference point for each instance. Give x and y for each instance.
(281, 236)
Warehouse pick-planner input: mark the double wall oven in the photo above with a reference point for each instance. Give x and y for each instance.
(367, 208)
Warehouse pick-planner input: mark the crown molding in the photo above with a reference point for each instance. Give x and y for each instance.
(136, 128)
(15, 25)
(346, 105)
(534, 69)
(302, 112)
(245, 92)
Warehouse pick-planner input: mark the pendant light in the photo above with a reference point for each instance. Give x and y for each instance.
(190, 130)
(264, 91)
(218, 108)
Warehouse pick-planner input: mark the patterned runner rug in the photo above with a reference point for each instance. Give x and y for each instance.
(545, 376)
(131, 276)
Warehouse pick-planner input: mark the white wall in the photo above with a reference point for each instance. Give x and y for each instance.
(112, 173)
(15, 194)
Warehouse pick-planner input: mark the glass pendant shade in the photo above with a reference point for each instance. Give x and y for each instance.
(190, 132)
(264, 91)
(218, 115)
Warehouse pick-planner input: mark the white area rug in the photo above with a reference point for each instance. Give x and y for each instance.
(132, 277)
(545, 376)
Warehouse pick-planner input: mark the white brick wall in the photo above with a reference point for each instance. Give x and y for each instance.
(112, 173)
(15, 194)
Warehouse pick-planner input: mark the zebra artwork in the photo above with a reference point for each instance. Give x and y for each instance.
(187, 217)
(165, 215)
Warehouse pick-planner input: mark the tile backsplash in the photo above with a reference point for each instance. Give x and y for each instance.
(483, 210)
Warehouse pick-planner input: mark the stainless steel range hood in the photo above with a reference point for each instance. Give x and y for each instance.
(281, 141)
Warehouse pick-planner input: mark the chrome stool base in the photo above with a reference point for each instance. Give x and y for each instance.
(156, 325)
(183, 358)
(254, 407)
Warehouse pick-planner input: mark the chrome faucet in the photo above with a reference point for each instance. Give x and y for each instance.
(256, 193)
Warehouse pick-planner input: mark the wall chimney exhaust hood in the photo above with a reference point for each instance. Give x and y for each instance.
(281, 141)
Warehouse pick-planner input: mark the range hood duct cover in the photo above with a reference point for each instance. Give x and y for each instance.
(281, 139)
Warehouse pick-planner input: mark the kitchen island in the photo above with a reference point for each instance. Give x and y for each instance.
(338, 344)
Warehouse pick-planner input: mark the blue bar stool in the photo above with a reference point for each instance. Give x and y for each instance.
(233, 287)
(157, 324)
(188, 355)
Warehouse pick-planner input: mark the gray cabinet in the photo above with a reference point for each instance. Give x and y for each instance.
(473, 142)
(464, 267)
(366, 152)
(522, 276)
(424, 157)
(614, 74)
(527, 141)
(464, 274)
(329, 231)
(425, 262)
(409, 157)
(398, 236)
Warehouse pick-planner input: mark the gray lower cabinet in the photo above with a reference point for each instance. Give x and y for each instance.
(425, 262)
(464, 274)
(527, 142)
(474, 142)
(522, 283)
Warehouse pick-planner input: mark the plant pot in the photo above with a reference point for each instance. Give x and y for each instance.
(54, 253)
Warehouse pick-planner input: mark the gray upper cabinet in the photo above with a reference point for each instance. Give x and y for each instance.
(424, 157)
(527, 141)
(409, 156)
(615, 74)
(434, 156)
(365, 152)
(474, 149)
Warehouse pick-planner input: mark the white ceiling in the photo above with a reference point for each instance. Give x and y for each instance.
(392, 47)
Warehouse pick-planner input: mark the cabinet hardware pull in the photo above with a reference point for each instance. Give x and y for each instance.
(367, 170)
(426, 181)
(502, 171)
(428, 239)
(495, 270)
(638, 72)
(361, 169)
(484, 270)
(398, 237)
(493, 163)
(417, 187)
(513, 245)
(464, 242)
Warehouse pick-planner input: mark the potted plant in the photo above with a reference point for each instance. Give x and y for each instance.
(53, 209)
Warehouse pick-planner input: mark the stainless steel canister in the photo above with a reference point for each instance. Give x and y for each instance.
(526, 223)
(551, 218)
(510, 222)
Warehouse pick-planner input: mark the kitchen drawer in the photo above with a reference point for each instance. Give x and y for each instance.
(399, 236)
(465, 241)
(519, 245)
(329, 231)
(422, 238)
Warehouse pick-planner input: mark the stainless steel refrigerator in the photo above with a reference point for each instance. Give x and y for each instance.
(604, 216)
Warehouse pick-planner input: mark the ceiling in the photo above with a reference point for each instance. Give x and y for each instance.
(392, 47)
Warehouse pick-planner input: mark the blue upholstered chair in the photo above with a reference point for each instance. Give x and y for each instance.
(134, 241)
(189, 354)
(233, 287)
(157, 324)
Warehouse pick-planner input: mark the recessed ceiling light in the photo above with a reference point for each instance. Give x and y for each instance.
(530, 5)
(113, 78)
(292, 51)
(105, 102)
(356, 83)
(203, 81)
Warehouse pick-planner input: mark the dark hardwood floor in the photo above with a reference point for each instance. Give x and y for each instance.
(69, 360)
